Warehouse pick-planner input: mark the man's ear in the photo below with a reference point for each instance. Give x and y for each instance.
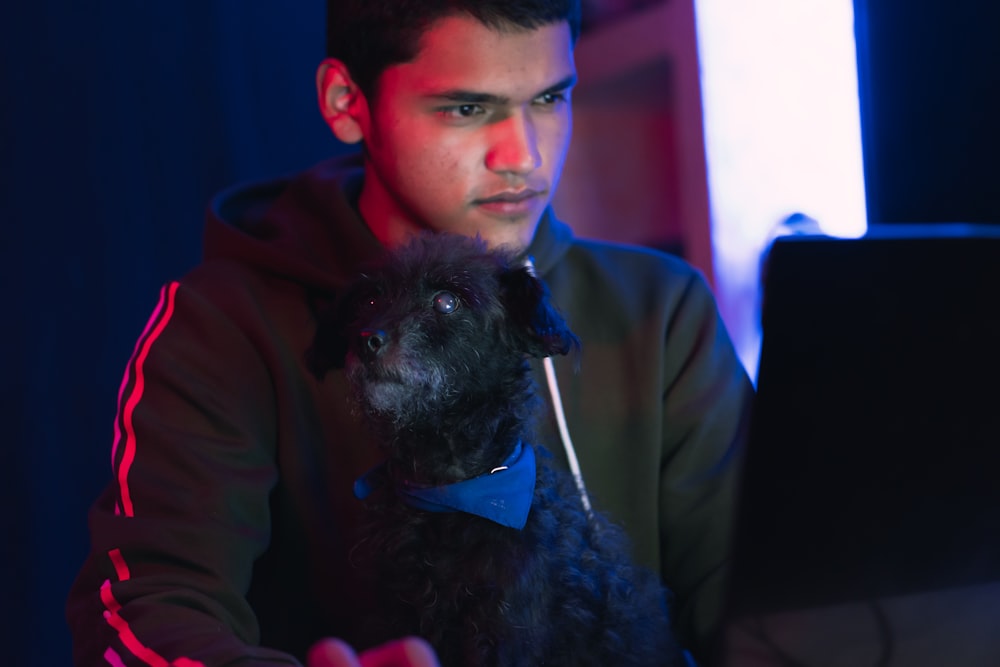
(341, 102)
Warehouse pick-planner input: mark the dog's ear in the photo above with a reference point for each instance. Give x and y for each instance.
(538, 325)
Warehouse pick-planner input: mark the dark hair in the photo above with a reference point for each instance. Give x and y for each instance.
(370, 35)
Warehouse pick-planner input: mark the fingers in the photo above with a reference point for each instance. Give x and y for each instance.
(406, 652)
(332, 653)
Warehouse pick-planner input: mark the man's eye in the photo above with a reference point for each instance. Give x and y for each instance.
(549, 99)
(463, 111)
(445, 302)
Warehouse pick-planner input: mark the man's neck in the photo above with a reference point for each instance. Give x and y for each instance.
(389, 226)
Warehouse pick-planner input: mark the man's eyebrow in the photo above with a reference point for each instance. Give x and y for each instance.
(568, 82)
(472, 97)
(467, 97)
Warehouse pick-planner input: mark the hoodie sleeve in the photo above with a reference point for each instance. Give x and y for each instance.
(175, 534)
(706, 405)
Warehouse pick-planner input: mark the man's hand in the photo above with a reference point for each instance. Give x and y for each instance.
(406, 652)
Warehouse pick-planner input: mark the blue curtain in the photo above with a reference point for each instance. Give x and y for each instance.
(118, 120)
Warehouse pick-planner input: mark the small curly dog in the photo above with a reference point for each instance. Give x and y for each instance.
(479, 545)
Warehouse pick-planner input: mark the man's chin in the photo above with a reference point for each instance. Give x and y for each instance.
(512, 232)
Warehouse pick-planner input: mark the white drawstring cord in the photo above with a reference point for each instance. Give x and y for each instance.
(567, 442)
(557, 407)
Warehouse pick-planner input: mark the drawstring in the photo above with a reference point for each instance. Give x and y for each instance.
(557, 406)
(567, 442)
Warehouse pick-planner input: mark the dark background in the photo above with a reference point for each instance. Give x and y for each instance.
(929, 77)
(118, 120)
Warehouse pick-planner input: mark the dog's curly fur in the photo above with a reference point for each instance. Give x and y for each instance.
(449, 394)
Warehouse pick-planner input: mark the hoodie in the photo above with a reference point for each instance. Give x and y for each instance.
(225, 534)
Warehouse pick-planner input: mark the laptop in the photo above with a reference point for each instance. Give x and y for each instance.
(873, 465)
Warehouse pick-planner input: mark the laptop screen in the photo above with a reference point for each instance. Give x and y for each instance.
(873, 465)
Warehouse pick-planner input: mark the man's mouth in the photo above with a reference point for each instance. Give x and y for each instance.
(511, 202)
(510, 197)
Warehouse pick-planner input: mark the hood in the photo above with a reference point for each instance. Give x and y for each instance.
(307, 228)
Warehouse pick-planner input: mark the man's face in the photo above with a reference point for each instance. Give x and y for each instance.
(469, 137)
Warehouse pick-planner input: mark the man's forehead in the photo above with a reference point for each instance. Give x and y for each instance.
(458, 53)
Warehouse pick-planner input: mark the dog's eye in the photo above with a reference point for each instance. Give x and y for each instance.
(445, 302)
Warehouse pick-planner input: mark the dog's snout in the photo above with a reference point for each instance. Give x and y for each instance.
(372, 340)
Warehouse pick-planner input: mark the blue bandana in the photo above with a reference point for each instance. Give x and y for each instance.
(502, 496)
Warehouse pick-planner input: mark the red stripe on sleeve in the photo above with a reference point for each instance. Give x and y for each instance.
(128, 639)
(167, 302)
(135, 352)
(154, 328)
(113, 658)
(121, 569)
(125, 635)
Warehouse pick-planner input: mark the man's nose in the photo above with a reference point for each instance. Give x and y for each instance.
(514, 148)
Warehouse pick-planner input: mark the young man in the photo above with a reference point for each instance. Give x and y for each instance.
(225, 536)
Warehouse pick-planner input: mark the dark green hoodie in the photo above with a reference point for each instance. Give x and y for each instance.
(225, 535)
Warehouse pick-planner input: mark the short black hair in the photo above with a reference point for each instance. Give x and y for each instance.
(370, 35)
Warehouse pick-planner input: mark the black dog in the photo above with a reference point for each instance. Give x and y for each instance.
(479, 545)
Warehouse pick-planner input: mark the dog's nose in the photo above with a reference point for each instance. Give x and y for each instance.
(372, 340)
